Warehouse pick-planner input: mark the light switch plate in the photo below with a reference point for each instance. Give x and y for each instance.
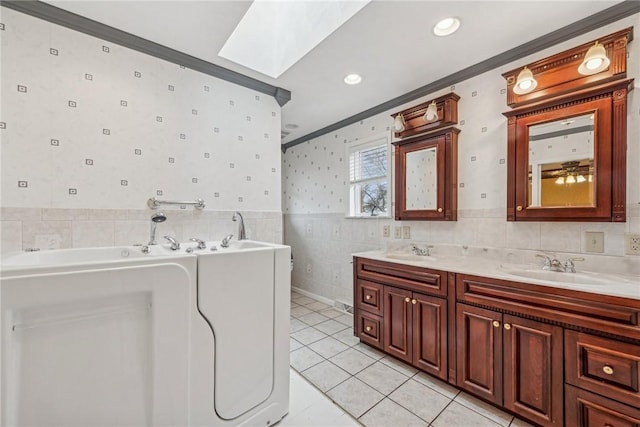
(632, 243)
(406, 232)
(594, 241)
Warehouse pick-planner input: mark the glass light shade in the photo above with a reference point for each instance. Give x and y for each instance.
(570, 179)
(581, 178)
(595, 60)
(398, 123)
(590, 179)
(560, 180)
(432, 112)
(525, 82)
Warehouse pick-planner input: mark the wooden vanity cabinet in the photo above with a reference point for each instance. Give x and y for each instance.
(511, 361)
(415, 329)
(410, 305)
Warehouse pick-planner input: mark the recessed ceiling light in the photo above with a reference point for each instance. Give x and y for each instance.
(352, 79)
(446, 26)
(291, 126)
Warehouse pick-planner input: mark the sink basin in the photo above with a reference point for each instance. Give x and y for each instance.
(555, 276)
(410, 257)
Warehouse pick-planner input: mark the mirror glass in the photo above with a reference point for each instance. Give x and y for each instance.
(421, 179)
(561, 169)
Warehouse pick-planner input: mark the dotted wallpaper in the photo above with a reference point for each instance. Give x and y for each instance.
(90, 124)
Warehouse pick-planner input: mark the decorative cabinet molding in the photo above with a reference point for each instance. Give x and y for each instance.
(558, 75)
(415, 122)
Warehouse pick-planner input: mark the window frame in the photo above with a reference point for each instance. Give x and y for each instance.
(357, 145)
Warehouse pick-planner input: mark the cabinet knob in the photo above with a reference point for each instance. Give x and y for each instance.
(368, 328)
(439, 209)
(367, 297)
(414, 301)
(519, 208)
(407, 299)
(507, 326)
(496, 324)
(607, 369)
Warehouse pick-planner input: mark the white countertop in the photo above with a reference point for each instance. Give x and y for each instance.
(519, 265)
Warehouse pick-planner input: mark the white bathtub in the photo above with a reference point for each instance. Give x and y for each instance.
(113, 336)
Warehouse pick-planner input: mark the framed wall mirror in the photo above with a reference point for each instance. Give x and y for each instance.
(566, 138)
(426, 176)
(567, 160)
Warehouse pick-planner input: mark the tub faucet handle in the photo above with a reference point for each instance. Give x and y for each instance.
(174, 243)
(201, 243)
(225, 241)
(569, 265)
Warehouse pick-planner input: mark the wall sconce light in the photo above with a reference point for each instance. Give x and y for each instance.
(399, 123)
(432, 112)
(595, 60)
(525, 82)
(560, 180)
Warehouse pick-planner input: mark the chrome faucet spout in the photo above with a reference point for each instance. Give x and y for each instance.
(225, 241)
(237, 216)
(174, 243)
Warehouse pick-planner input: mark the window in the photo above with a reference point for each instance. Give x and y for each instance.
(369, 178)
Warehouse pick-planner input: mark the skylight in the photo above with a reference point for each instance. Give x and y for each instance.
(275, 34)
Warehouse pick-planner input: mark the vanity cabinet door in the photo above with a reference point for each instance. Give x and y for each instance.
(430, 334)
(533, 363)
(479, 351)
(585, 409)
(397, 333)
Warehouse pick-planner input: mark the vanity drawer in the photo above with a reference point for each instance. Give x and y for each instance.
(369, 329)
(602, 365)
(419, 279)
(369, 297)
(585, 409)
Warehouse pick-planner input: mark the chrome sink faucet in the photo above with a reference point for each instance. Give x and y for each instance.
(421, 251)
(237, 216)
(553, 264)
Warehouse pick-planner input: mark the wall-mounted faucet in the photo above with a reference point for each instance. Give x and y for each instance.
(155, 220)
(241, 231)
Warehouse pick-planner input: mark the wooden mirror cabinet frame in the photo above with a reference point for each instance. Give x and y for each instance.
(609, 104)
(446, 141)
(563, 92)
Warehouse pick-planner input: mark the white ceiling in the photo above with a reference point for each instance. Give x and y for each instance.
(389, 43)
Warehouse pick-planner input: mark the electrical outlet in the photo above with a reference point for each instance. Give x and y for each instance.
(336, 231)
(594, 241)
(386, 231)
(632, 243)
(406, 232)
(309, 229)
(397, 232)
(309, 269)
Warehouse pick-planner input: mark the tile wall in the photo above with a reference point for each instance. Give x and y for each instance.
(91, 130)
(315, 184)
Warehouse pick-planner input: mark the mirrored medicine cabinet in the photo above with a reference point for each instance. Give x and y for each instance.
(426, 176)
(567, 139)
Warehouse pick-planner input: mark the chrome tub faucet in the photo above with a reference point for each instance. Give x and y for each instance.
(225, 241)
(237, 216)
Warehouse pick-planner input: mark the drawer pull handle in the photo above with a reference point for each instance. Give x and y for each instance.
(607, 370)
(414, 301)
(407, 299)
(519, 208)
(367, 297)
(439, 209)
(368, 328)
(507, 326)
(496, 324)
